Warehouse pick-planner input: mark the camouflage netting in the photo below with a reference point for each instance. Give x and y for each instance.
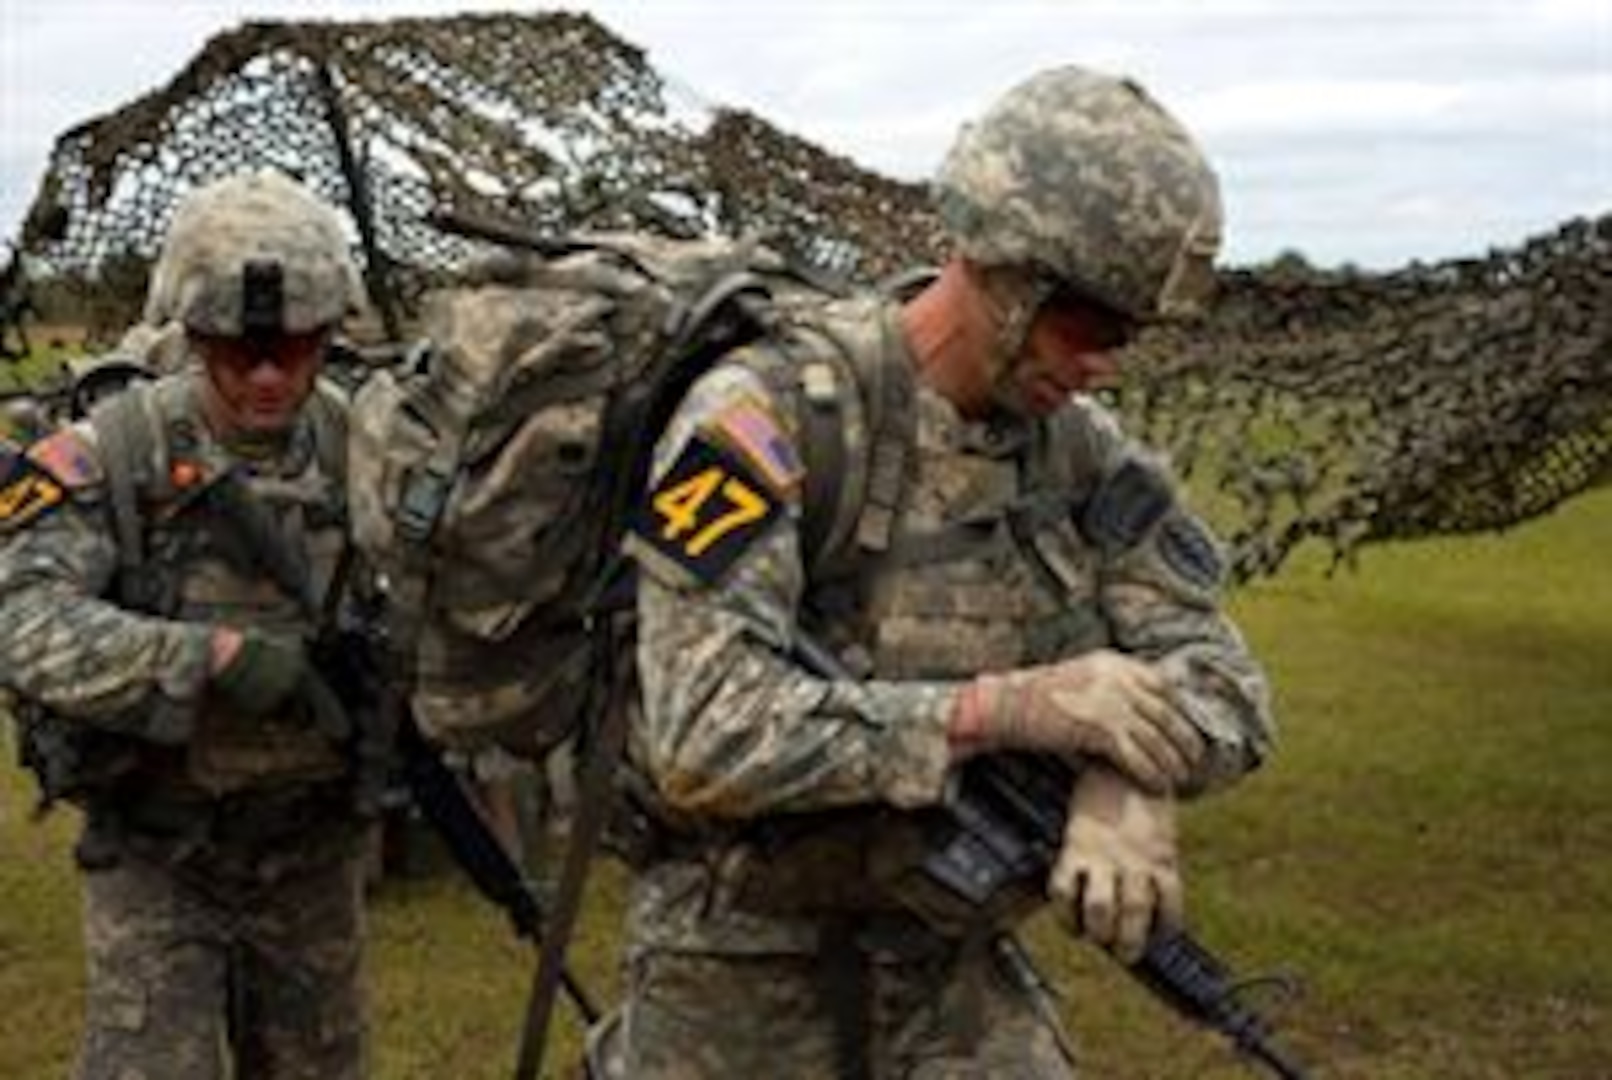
(1459, 397)
(546, 119)
(1463, 396)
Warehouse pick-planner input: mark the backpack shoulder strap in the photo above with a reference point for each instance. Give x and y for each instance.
(834, 382)
(128, 431)
(889, 393)
(328, 414)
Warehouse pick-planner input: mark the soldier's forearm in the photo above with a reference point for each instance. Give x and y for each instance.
(87, 658)
(744, 730)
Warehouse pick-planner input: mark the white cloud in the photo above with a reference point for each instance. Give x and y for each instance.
(1334, 105)
(1373, 131)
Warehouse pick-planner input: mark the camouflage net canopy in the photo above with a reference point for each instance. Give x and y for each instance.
(549, 120)
(1459, 397)
(1463, 396)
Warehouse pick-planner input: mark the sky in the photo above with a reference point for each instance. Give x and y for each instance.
(1371, 132)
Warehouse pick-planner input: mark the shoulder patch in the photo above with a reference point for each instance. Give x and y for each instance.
(749, 427)
(1187, 548)
(703, 514)
(67, 457)
(1127, 503)
(26, 494)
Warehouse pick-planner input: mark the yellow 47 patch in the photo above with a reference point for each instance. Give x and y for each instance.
(705, 512)
(27, 492)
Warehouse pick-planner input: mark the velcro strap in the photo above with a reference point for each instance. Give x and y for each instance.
(981, 535)
(423, 495)
(975, 540)
(892, 423)
(822, 434)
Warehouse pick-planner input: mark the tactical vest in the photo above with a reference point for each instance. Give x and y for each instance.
(182, 555)
(938, 548)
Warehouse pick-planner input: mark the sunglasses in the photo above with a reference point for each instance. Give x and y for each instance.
(244, 355)
(1107, 329)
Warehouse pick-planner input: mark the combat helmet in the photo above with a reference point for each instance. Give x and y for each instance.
(255, 254)
(1083, 179)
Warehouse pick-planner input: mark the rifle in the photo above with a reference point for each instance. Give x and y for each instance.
(991, 846)
(353, 654)
(1001, 834)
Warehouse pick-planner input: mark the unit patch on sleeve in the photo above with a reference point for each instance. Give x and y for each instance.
(1189, 550)
(1127, 503)
(67, 458)
(705, 512)
(27, 493)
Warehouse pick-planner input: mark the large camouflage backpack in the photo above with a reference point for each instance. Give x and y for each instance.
(491, 475)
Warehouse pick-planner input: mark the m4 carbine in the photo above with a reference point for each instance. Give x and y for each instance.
(992, 847)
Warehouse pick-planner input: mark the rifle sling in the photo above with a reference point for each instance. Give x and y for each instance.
(476, 849)
(846, 987)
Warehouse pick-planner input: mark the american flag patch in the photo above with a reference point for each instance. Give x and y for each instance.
(66, 458)
(749, 427)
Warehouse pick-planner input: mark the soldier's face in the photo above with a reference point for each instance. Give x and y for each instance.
(1070, 348)
(257, 385)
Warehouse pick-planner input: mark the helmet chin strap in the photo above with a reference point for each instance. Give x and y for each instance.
(1014, 298)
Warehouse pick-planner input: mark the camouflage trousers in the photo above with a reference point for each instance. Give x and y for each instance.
(965, 1015)
(202, 971)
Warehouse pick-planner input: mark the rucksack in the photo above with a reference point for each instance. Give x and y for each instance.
(492, 473)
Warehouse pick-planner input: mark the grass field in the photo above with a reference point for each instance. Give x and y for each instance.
(1431, 851)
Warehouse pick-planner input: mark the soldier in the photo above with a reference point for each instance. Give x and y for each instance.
(1004, 570)
(16, 305)
(163, 563)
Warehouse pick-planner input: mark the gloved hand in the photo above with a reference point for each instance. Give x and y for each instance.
(1117, 877)
(269, 674)
(1103, 705)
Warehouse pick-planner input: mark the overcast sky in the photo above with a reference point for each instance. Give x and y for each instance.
(1366, 131)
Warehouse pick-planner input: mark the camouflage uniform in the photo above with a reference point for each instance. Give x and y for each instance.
(779, 787)
(738, 731)
(222, 858)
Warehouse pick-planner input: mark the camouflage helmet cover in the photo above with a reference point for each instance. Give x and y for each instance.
(1084, 177)
(251, 253)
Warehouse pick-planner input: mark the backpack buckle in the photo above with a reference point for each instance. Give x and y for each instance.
(820, 384)
(424, 494)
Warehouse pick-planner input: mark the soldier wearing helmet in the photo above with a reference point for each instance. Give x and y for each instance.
(920, 488)
(164, 561)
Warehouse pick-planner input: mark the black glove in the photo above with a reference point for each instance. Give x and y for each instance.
(263, 674)
(270, 674)
(321, 709)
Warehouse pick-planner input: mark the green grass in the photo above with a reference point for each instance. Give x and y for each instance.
(41, 368)
(1429, 851)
